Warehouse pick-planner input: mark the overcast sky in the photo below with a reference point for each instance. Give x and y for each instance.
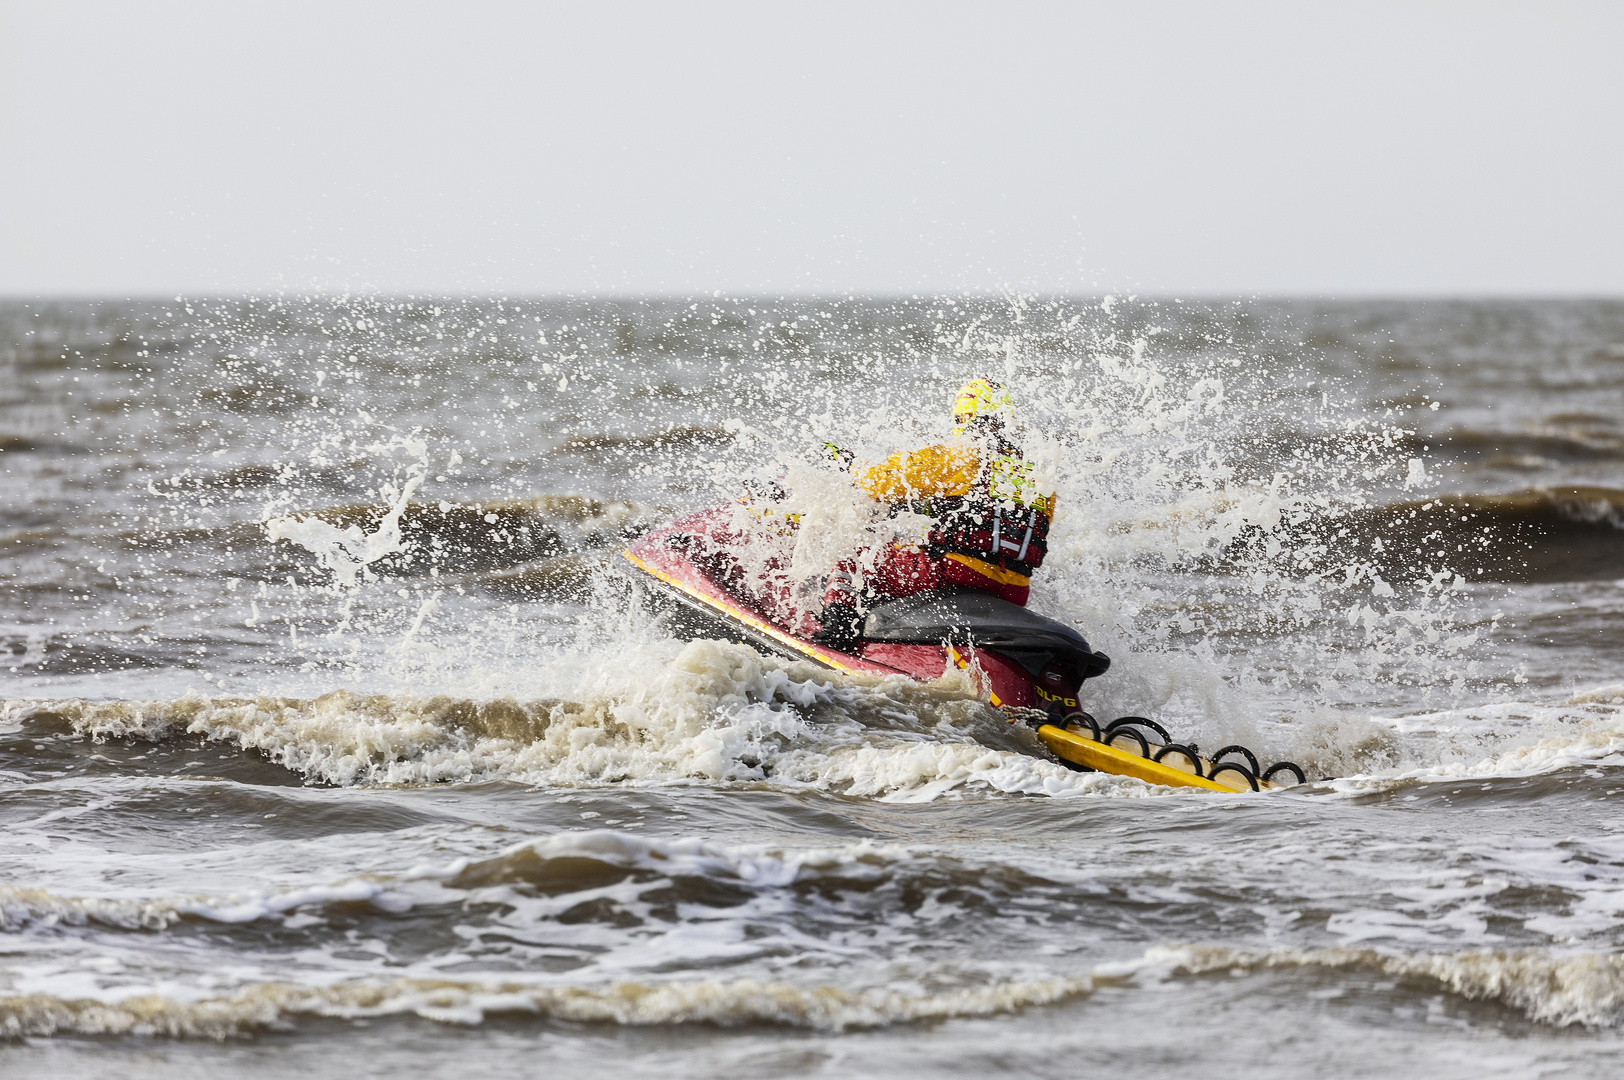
(1341, 149)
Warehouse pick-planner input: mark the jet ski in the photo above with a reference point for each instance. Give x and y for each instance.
(1030, 667)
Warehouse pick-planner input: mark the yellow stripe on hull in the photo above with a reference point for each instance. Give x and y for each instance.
(826, 657)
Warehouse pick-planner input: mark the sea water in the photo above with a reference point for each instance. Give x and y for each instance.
(337, 739)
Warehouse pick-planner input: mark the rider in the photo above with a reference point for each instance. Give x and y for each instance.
(989, 522)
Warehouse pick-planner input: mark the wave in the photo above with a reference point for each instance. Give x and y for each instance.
(1541, 758)
(1541, 534)
(694, 871)
(1565, 437)
(552, 865)
(712, 712)
(1494, 740)
(1544, 534)
(20, 907)
(1601, 695)
(718, 713)
(714, 1002)
(1562, 989)
(553, 540)
(483, 536)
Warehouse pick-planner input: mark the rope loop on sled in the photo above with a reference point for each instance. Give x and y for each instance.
(1080, 717)
(1137, 721)
(1113, 733)
(1251, 758)
(1285, 766)
(1180, 748)
(1234, 766)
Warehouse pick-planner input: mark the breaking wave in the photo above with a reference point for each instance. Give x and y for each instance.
(706, 1001)
(715, 712)
(695, 871)
(1542, 534)
(1566, 437)
(721, 713)
(21, 907)
(1501, 740)
(1563, 989)
(1579, 989)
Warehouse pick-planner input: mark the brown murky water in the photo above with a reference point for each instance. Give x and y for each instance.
(290, 784)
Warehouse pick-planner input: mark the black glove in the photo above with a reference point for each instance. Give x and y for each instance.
(842, 627)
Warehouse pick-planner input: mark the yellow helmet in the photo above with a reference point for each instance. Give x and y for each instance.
(983, 400)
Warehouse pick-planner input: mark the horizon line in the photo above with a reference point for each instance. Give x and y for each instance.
(1197, 295)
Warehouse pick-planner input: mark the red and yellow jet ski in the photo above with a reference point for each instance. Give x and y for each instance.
(1025, 664)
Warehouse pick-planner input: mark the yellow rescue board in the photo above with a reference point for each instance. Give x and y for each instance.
(1082, 750)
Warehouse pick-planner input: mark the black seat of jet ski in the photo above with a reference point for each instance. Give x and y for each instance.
(963, 616)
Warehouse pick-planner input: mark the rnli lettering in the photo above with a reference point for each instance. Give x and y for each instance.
(1046, 696)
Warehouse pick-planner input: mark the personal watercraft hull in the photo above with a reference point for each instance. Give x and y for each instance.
(1029, 666)
(668, 556)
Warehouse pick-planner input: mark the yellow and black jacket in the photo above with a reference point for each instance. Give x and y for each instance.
(983, 501)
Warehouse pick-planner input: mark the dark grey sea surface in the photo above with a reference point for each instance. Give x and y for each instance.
(336, 738)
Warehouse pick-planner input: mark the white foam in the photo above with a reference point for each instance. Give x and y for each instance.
(349, 551)
(707, 1001)
(1550, 986)
(1507, 739)
(1562, 989)
(21, 907)
(715, 713)
(1602, 695)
